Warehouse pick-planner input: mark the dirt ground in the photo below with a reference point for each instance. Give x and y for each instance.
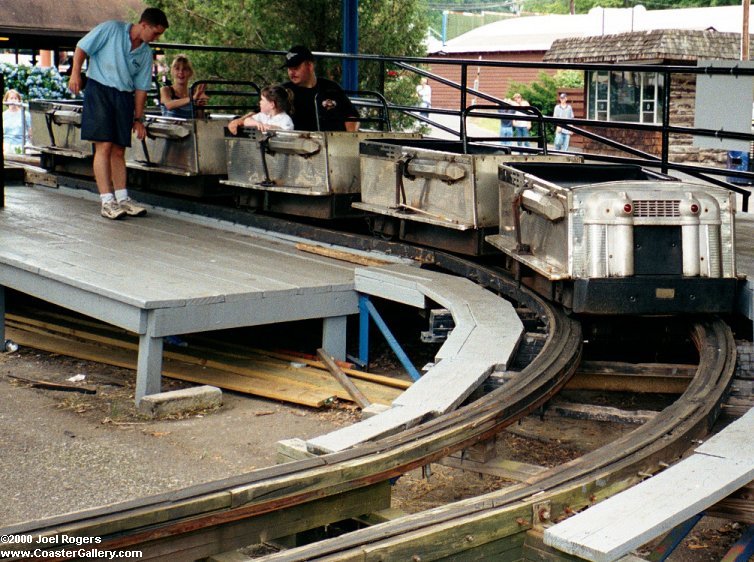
(66, 451)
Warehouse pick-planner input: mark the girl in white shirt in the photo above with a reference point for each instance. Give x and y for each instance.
(274, 103)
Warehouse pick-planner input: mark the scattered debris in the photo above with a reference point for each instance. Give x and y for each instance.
(49, 385)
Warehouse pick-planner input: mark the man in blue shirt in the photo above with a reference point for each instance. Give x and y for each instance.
(118, 78)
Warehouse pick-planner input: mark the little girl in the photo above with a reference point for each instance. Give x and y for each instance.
(274, 103)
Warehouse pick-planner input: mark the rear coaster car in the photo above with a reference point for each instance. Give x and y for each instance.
(313, 174)
(430, 192)
(618, 239)
(56, 133)
(183, 156)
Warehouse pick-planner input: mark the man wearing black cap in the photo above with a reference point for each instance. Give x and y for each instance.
(319, 104)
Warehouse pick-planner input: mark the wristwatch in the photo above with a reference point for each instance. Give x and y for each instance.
(139, 119)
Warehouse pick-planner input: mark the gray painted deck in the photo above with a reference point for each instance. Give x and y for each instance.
(159, 275)
(486, 334)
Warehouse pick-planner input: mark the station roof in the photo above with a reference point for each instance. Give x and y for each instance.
(50, 24)
(657, 46)
(537, 33)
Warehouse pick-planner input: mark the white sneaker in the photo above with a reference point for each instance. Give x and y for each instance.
(112, 210)
(131, 208)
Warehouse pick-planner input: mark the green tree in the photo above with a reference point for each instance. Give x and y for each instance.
(391, 27)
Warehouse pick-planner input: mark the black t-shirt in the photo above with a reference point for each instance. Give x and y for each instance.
(331, 102)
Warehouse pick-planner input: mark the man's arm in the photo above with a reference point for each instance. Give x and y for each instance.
(140, 99)
(74, 82)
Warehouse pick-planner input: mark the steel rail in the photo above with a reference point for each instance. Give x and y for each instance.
(494, 522)
(166, 524)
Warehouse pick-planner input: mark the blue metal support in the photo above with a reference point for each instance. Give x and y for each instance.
(668, 544)
(350, 13)
(367, 309)
(363, 331)
(743, 550)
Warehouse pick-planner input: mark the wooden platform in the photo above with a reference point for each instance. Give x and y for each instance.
(486, 333)
(161, 275)
(613, 528)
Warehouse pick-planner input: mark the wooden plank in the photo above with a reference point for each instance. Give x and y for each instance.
(345, 382)
(341, 255)
(622, 523)
(504, 468)
(110, 335)
(600, 413)
(264, 387)
(51, 385)
(248, 365)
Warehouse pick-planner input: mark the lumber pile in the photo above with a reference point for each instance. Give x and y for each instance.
(276, 375)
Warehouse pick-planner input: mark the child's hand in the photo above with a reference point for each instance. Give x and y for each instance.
(251, 123)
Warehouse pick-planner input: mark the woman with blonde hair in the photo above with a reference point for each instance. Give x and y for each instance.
(176, 99)
(16, 123)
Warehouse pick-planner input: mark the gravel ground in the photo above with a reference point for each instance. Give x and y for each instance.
(65, 452)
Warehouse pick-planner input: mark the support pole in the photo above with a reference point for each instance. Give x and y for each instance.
(350, 13)
(389, 338)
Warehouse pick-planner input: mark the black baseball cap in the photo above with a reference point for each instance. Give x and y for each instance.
(296, 55)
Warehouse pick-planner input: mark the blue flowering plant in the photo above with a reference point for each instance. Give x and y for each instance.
(35, 82)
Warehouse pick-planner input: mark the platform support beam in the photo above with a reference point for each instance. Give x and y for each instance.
(334, 336)
(149, 363)
(2, 316)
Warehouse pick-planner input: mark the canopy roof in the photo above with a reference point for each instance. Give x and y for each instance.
(537, 33)
(51, 24)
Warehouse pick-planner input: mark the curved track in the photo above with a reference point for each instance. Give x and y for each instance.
(491, 523)
(162, 526)
(207, 519)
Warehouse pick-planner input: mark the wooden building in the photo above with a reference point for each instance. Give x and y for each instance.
(637, 96)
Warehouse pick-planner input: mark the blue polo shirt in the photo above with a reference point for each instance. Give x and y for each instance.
(111, 60)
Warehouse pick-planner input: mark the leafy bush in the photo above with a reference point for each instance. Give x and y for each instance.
(34, 82)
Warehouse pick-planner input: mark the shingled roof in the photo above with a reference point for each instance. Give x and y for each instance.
(658, 46)
(56, 23)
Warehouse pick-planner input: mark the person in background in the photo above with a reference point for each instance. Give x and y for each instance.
(175, 99)
(424, 91)
(118, 79)
(562, 111)
(275, 103)
(506, 123)
(16, 123)
(319, 104)
(520, 127)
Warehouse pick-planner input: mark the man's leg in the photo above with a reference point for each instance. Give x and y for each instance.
(103, 174)
(102, 170)
(118, 167)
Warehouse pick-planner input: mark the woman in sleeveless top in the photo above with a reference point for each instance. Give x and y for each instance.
(175, 100)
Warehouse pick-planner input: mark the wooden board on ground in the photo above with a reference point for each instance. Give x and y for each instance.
(615, 527)
(262, 376)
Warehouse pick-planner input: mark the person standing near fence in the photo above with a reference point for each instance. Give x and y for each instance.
(118, 79)
(562, 111)
(521, 127)
(424, 91)
(16, 123)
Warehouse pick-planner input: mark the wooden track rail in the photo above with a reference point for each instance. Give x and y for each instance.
(489, 526)
(216, 517)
